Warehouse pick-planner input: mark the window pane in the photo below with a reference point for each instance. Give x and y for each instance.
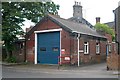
(86, 47)
(42, 49)
(109, 48)
(97, 48)
(55, 48)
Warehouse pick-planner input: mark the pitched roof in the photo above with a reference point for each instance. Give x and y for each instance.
(84, 21)
(69, 26)
(111, 24)
(75, 27)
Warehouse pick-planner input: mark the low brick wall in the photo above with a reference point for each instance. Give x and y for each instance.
(113, 62)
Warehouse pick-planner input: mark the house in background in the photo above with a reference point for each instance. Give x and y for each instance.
(70, 40)
(117, 26)
(110, 44)
(111, 24)
(19, 50)
(113, 60)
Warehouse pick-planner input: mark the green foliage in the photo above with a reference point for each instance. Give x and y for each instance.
(106, 29)
(14, 14)
(11, 59)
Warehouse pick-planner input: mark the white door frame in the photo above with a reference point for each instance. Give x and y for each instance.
(43, 31)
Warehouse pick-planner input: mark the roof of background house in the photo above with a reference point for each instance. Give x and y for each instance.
(84, 21)
(71, 26)
(111, 24)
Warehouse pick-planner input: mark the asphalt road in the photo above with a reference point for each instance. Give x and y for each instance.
(92, 71)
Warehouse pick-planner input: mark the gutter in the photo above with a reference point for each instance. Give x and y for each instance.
(89, 34)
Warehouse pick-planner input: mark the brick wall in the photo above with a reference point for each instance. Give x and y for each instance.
(92, 57)
(109, 37)
(18, 52)
(65, 42)
(113, 61)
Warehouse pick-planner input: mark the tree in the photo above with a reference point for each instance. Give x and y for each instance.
(105, 28)
(14, 14)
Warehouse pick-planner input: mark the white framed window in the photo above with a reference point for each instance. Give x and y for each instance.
(97, 48)
(86, 48)
(109, 47)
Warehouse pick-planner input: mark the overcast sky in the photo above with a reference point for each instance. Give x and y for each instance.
(91, 10)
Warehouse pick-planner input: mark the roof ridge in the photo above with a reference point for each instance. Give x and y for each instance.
(109, 22)
(64, 19)
(71, 21)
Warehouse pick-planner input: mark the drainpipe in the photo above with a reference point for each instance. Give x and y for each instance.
(25, 48)
(78, 49)
(118, 47)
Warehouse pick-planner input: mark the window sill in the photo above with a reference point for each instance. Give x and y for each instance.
(97, 53)
(86, 54)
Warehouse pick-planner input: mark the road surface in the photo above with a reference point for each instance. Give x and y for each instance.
(91, 71)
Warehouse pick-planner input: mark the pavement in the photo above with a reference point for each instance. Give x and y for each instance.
(92, 67)
(101, 66)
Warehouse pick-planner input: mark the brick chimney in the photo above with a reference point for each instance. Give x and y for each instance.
(77, 10)
(97, 19)
(99, 31)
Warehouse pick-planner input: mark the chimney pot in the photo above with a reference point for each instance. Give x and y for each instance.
(79, 3)
(97, 19)
(75, 2)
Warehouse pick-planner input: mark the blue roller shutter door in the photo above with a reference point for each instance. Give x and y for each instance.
(48, 47)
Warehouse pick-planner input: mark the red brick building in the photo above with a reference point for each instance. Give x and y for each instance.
(73, 39)
(113, 60)
(110, 44)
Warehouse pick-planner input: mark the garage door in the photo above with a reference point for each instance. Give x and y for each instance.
(48, 47)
